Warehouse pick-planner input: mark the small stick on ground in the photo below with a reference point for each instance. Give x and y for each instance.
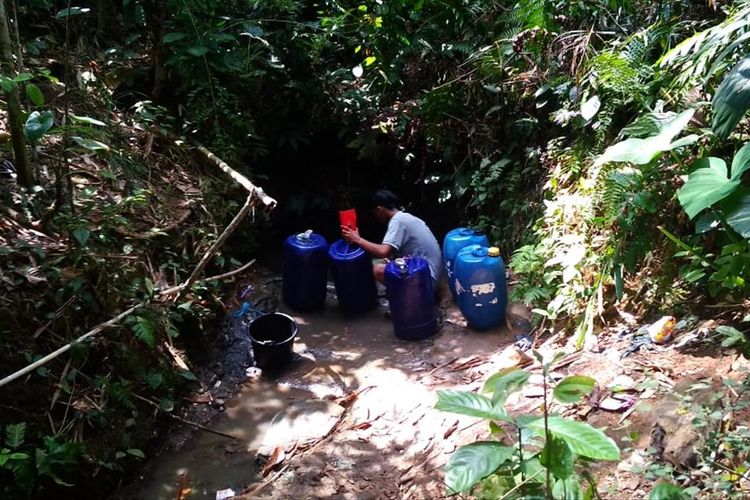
(184, 421)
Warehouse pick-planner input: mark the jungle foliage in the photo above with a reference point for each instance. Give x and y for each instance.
(601, 144)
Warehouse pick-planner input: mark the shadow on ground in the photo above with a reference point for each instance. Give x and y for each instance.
(388, 443)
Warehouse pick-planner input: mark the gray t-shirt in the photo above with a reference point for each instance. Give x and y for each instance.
(410, 236)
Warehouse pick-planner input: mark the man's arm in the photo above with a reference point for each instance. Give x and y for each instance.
(379, 250)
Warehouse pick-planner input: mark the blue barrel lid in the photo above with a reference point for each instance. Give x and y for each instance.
(406, 266)
(307, 239)
(342, 250)
(476, 253)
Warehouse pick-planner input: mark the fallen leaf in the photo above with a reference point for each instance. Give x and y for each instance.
(275, 459)
(450, 430)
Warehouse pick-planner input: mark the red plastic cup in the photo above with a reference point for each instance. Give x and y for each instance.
(348, 218)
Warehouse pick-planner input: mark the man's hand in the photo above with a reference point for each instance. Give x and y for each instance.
(350, 235)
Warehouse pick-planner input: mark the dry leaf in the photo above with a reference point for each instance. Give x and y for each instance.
(275, 459)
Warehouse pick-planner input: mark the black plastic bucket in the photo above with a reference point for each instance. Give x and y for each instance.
(272, 336)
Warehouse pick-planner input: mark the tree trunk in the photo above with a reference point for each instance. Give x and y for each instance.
(25, 174)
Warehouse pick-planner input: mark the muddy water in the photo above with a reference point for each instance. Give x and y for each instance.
(335, 355)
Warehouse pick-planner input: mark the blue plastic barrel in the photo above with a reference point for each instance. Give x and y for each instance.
(411, 296)
(352, 274)
(305, 272)
(480, 284)
(454, 241)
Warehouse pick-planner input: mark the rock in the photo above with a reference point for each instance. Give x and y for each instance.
(673, 434)
(621, 383)
(635, 460)
(302, 422)
(510, 356)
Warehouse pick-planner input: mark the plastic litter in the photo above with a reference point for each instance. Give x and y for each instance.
(224, 494)
(524, 342)
(661, 331)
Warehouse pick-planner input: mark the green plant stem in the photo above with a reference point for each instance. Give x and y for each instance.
(513, 489)
(520, 454)
(548, 478)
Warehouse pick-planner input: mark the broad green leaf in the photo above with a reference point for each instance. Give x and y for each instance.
(738, 217)
(567, 489)
(81, 235)
(580, 437)
(136, 452)
(741, 162)
(37, 124)
(197, 50)
(34, 94)
(173, 37)
(557, 457)
(642, 151)
(73, 11)
(732, 99)
(14, 434)
(667, 491)
(88, 120)
(471, 463)
(504, 383)
(706, 185)
(573, 388)
(370, 60)
(90, 144)
(471, 404)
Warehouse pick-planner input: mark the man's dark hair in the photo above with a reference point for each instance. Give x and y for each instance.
(384, 198)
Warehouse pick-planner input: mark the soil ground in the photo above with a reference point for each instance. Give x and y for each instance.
(389, 441)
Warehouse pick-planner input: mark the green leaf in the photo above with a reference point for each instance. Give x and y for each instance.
(580, 437)
(135, 452)
(14, 434)
(567, 489)
(667, 491)
(81, 235)
(154, 379)
(706, 185)
(732, 99)
(173, 37)
(34, 94)
(188, 375)
(731, 336)
(738, 217)
(90, 144)
(37, 124)
(557, 457)
(144, 331)
(471, 404)
(88, 120)
(166, 404)
(741, 162)
(197, 50)
(473, 462)
(505, 383)
(73, 11)
(642, 151)
(370, 60)
(573, 388)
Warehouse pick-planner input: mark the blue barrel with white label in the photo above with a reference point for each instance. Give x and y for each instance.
(352, 274)
(480, 285)
(305, 272)
(454, 242)
(411, 296)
